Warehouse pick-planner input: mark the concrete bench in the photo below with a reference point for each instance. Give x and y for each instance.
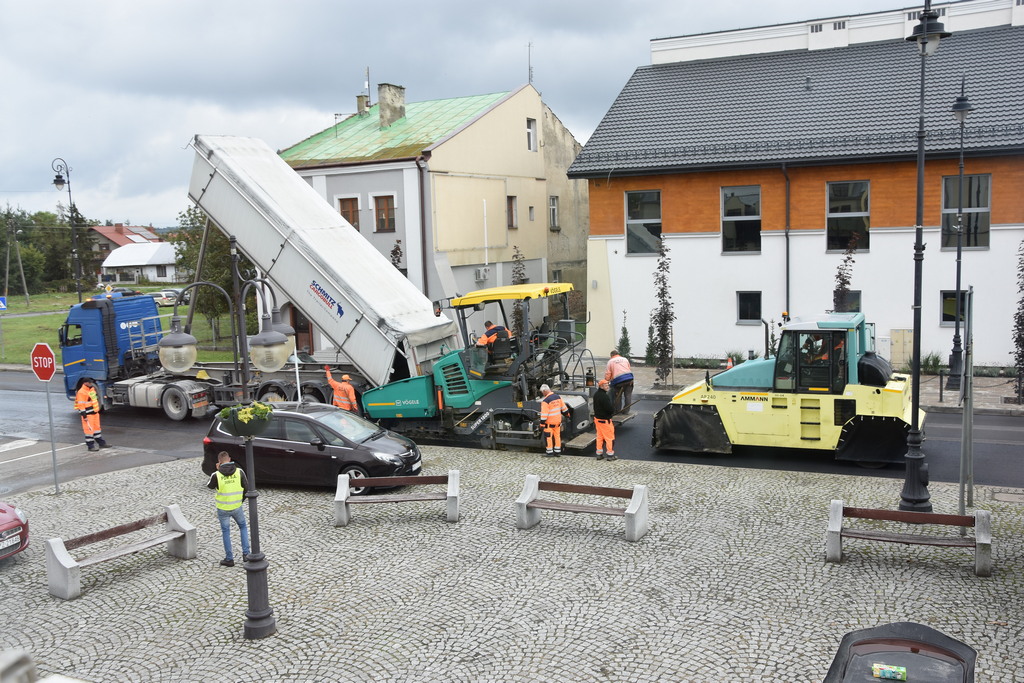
(528, 505)
(64, 573)
(343, 499)
(981, 521)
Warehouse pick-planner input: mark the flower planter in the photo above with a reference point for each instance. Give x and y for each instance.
(234, 424)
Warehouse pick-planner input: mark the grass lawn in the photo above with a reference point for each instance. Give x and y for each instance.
(19, 333)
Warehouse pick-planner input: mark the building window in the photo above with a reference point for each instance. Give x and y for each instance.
(748, 307)
(531, 134)
(848, 214)
(816, 28)
(741, 218)
(851, 303)
(511, 213)
(553, 213)
(384, 213)
(977, 200)
(556, 275)
(349, 208)
(643, 222)
(948, 309)
(161, 271)
(838, 25)
(532, 214)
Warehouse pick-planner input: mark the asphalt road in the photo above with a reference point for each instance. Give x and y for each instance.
(142, 437)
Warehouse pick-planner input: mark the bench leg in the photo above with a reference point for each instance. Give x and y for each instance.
(184, 547)
(63, 574)
(527, 518)
(453, 496)
(637, 514)
(342, 514)
(834, 535)
(983, 543)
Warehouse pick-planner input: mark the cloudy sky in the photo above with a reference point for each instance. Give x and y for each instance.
(118, 87)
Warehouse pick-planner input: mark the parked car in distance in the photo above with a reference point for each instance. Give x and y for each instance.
(165, 297)
(13, 530)
(126, 291)
(310, 444)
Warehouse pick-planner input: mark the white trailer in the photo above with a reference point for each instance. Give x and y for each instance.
(377, 319)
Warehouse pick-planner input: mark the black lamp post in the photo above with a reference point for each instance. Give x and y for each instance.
(961, 108)
(914, 495)
(61, 168)
(270, 350)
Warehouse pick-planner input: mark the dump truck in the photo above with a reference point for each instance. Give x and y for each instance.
(416, 370)
(826, 389)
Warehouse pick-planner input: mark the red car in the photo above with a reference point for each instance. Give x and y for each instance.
(13, 530)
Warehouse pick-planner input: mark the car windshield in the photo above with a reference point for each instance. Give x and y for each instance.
(352, 427)
(301, 357)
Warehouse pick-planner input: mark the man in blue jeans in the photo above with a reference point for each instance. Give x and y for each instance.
(230, 484)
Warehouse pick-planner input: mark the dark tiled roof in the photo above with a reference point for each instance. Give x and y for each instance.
(820, 106)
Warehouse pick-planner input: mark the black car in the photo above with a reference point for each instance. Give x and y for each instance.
(310, 444)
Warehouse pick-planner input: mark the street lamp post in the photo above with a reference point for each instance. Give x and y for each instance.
(61, 168)
(914, 495)
(270, 350)
(961, 108)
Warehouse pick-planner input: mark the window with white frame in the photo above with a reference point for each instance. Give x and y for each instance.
(643, 222)
(947, 315)
(977, 202)
(531, 134)
(349, 209)
(848, 213)
(553, 212)
(511, 212)
(748, 307)
(384, 213)
(741, 218)
(850, 302)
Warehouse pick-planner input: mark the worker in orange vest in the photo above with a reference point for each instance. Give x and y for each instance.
(344, 394)
(552, 407)
(87, 403)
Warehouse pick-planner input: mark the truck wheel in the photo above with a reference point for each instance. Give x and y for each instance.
(273, 395)
(312, 396)
(355, 472)
(175, 404)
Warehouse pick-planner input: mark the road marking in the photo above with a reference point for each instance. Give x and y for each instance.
(990, 442)
(33, 455)
(20, 443)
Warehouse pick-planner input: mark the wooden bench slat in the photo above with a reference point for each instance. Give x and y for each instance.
(119, 530)
(909, 517)
(397, 481)
(910, 539)
(542, 504)
(398, 498)
(129, 549)
(589, 490)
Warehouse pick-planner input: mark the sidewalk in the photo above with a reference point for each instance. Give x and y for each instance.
(729, 584)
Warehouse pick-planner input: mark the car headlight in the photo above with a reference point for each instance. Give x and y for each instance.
(21, 515)
(389, 458)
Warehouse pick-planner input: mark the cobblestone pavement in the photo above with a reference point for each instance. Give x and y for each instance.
(729, 584)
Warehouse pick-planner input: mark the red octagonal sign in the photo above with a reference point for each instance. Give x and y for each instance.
(43, 362)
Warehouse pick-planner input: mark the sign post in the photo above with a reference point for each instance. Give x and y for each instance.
(44, 365)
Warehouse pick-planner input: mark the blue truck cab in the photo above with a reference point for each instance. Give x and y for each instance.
(109, 337)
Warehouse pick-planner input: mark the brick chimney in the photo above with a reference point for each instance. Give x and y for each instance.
(391, 100)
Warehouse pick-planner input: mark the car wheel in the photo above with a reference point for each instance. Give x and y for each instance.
(353, 473)
(175, 405)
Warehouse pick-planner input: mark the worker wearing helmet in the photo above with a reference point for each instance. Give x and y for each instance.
(551, 410)
(87, 404)
(344, 394)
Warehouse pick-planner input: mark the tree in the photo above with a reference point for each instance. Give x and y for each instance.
(518, 278)
(1018, 326)
(844, 273)
(396, 255)
(623, 346)
(663, 316)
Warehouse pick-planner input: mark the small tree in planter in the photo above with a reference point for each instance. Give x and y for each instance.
(518, 278)
(843, 275)
(1018, 326)
(623, 347)
(663, 316)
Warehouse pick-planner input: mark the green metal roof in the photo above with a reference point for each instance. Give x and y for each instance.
(361, 139)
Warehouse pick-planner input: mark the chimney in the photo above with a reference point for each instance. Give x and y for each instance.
(362, 105)
(119, 228)
(391, 100)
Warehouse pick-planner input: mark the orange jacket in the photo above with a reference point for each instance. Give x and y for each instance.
(86, 399)
(344, 394)
(551, 408)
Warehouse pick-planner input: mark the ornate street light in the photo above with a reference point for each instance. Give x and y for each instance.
(914, 495)
(961, 108)
(61, 168)
(269, 352)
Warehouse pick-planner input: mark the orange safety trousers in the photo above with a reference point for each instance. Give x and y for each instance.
(90, 424)
(605, 436)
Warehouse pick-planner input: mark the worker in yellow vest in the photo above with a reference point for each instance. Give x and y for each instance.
(87, 403)
(230, 483)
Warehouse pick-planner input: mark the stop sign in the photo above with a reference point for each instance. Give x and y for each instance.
(43, 362)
